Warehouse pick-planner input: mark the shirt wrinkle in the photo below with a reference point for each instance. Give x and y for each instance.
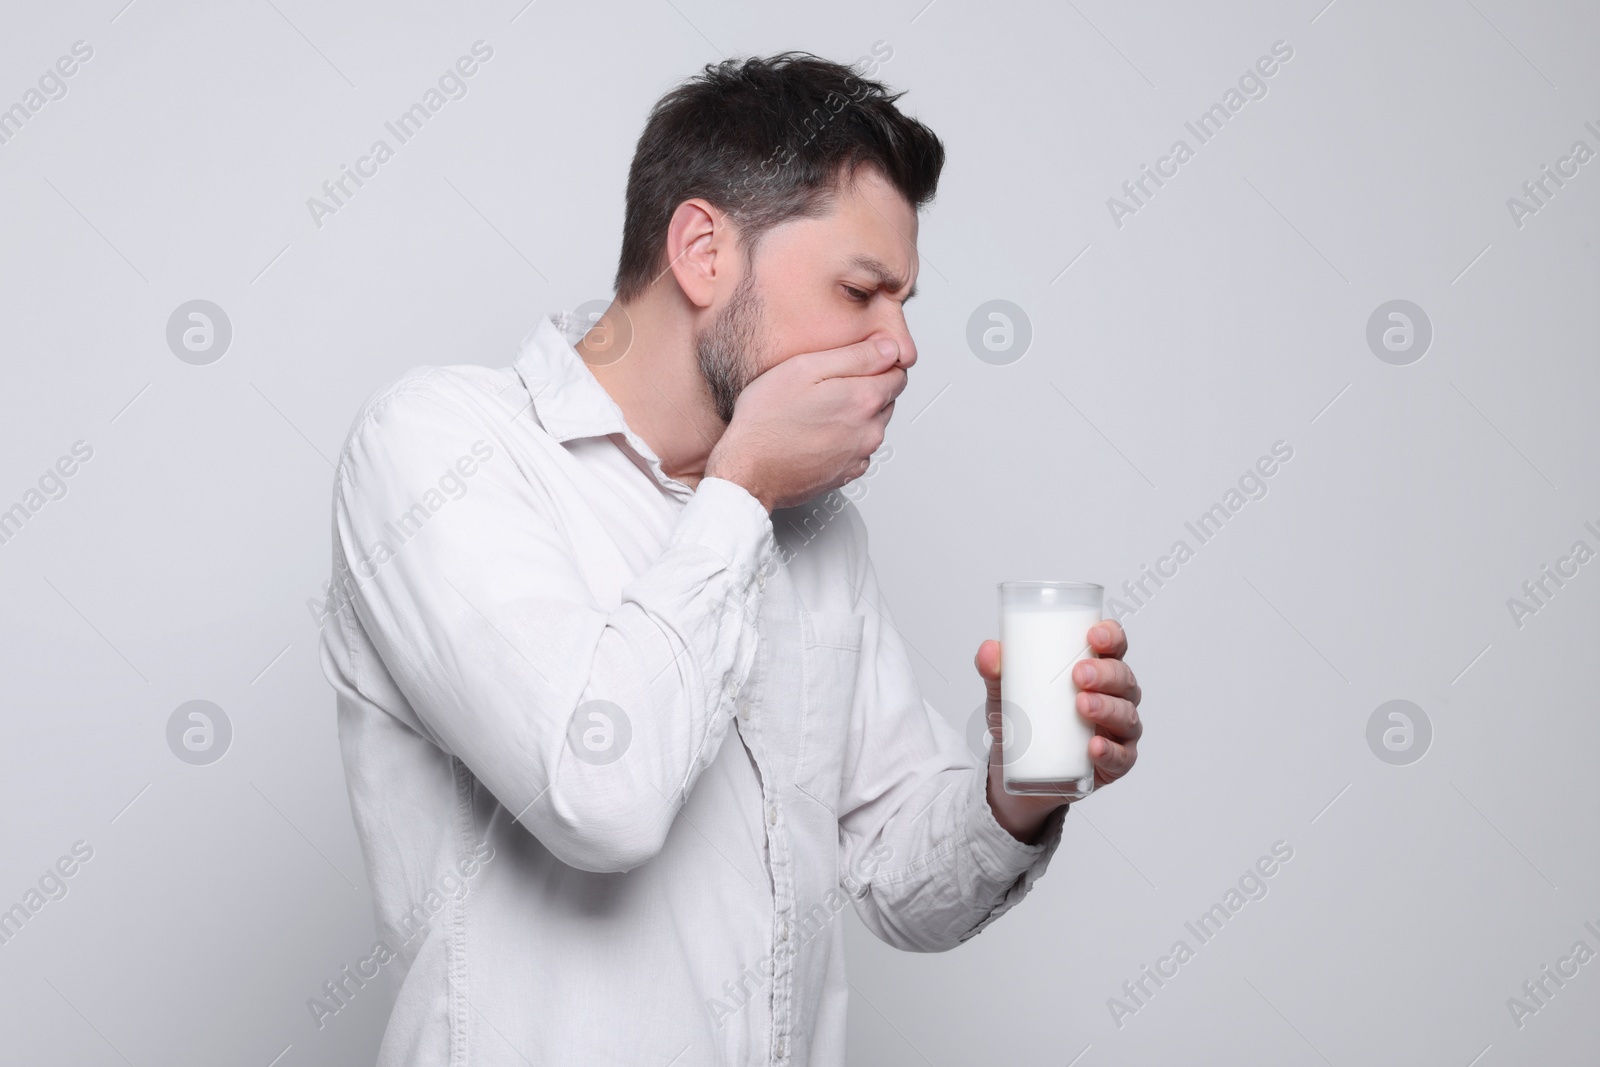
(623, 699)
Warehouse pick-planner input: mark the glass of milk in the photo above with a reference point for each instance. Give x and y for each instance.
(1044, 630)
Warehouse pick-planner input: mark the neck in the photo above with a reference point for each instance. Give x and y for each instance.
(657, 381)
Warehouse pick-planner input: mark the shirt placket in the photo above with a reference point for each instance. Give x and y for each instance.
(766, 718)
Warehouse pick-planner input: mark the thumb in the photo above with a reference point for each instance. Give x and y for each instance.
(987, 662)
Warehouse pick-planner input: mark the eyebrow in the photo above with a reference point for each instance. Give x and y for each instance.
(881, 274)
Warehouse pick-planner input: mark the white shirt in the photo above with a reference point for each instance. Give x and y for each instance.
(620, 752)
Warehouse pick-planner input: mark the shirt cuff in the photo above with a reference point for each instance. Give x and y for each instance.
(1003, 868)
(726, 518)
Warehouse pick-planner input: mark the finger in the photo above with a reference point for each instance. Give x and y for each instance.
(1107, 676)
(880, 419)
(1112, 760)
(1108, 638)
(1116, 717)
(850, 361)
(987, 661)
(887, 387)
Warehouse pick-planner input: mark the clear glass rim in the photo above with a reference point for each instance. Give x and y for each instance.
(1050, 585)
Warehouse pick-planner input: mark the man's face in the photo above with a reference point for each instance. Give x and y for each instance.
(817, 284)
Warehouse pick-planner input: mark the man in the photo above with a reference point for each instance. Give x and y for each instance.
(625, 719)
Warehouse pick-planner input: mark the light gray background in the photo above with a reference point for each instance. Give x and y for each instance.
(1228, 314)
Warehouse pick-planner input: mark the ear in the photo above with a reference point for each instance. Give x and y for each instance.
(700, 250)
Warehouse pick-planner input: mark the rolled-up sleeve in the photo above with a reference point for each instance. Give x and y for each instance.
(589, 724)
(915, 793)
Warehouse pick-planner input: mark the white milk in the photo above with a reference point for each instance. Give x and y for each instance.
(1037, 649)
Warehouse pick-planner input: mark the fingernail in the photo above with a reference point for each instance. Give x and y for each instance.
(1100, 633)
(888, 347)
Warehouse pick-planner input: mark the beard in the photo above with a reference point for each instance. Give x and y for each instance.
(727, 350)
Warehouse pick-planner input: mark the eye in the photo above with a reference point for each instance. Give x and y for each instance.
(857, 295)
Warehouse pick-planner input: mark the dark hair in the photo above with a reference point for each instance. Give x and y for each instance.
(765, 140)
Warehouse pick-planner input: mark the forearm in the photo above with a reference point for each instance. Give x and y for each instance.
(504, 647)
(951, 869)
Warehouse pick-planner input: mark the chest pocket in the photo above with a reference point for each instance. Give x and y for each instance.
(831, 661)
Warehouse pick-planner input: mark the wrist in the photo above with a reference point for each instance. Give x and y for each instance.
(741, 478)
(1027, 826)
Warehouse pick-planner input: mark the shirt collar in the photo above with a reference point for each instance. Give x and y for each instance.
(567, 398)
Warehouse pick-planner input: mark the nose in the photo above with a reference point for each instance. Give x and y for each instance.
(908, 349)
(898, 332)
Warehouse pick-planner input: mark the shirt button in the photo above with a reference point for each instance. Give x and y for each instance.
(783, 930)
(772, 814)
(783, 1047)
